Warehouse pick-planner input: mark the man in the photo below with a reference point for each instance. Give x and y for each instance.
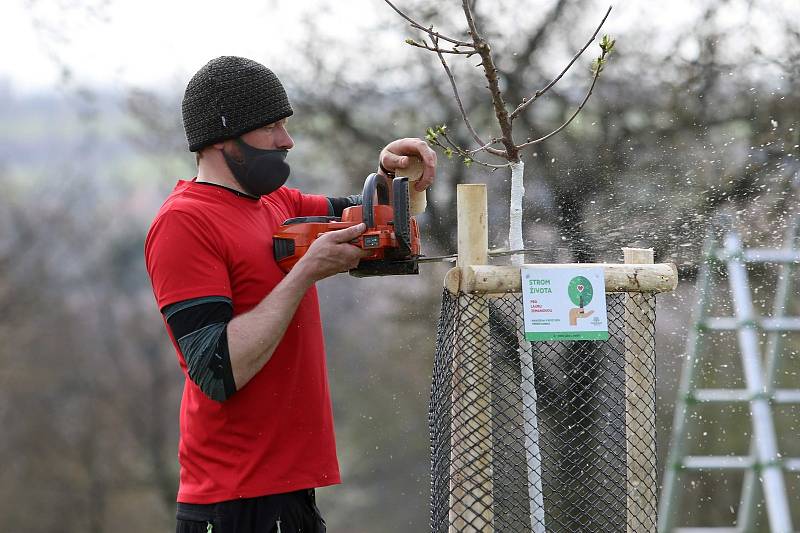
(255, 420)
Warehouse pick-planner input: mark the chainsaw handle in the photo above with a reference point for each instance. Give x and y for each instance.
(374, 183)
(402, 216)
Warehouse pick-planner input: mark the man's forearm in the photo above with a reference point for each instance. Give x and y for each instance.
(253, 336)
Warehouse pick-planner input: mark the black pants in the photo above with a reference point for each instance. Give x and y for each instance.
(292, 512)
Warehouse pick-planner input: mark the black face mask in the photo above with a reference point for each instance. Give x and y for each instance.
(259, 172)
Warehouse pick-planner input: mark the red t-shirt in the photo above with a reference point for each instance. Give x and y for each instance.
(275, 434)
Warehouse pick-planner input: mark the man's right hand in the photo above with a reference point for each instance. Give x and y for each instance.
(253, 336)
(332, 253)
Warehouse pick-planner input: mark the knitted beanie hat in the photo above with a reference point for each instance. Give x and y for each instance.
(230, 96)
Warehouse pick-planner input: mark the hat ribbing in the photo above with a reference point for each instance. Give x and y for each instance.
(230, 96)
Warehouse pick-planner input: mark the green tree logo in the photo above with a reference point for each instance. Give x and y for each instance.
(580, 291)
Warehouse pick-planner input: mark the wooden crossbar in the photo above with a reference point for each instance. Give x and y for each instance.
(487, 279)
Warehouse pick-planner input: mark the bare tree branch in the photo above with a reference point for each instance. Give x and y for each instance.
(425, 46)
(490, 71)
(485, 147)
(461, 105)
(467, 154)
(526, 102)
(429, 31)
(481, 47)
(565, 124)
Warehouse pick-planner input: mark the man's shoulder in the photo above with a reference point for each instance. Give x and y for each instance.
(180, 225)
(182, 205)
(183, 208)
(297, 202)
(188, 199)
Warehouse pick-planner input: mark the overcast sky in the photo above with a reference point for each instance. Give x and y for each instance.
(152, 42)
(148, 42)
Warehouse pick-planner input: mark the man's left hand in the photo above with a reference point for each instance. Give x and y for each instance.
(393, 158)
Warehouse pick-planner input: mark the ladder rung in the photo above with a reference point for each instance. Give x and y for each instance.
(765, 255)
(721, 395)
(786, 396)
(717, 462)
(765, 324)
(733, 462)
(743, 395)
(706, 529)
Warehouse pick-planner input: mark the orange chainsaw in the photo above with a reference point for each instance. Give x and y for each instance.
(391, 235)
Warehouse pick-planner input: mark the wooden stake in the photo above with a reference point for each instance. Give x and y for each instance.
(417, 201)
(471, 475)
(640, 408)
(473, 228)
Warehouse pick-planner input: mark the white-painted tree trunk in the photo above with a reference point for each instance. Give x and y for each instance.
(515, 221)
(531, 429)
(533, 454)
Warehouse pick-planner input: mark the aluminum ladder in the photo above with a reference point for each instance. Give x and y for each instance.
(764, 476)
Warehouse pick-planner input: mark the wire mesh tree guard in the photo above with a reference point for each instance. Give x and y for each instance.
(554, 436)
